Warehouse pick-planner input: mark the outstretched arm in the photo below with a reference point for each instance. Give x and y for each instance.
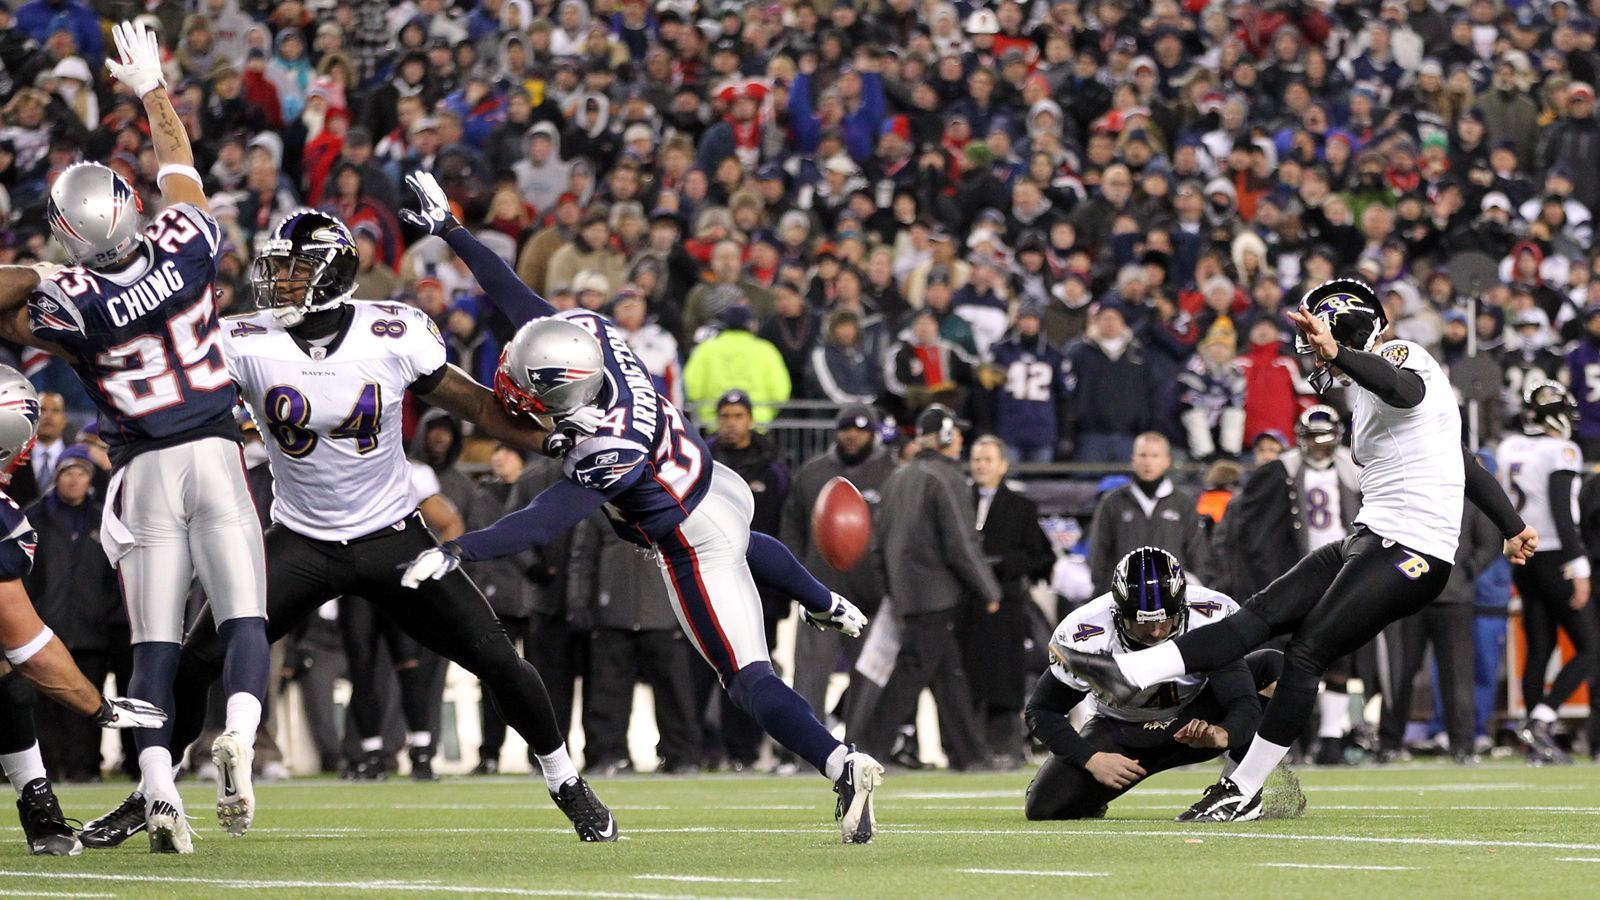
(505, 290)
(17, 284)
(470, 401)
(139, 67)
(557, 509)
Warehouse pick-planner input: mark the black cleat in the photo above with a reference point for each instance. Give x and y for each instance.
(43, 825)
(371, 767)
(1222, 802)
(1330, 752)
(422, 764)
(591, 818)
(487, 767)
(116, 826)
(1103, 676)
(1542, 747)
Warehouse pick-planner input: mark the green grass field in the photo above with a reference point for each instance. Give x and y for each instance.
(1412, 830)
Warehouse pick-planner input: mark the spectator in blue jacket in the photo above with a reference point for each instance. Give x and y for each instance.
(40, 18)
(1028, 405)
(854, 104)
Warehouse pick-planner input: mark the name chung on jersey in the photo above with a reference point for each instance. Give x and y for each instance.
(146, 295)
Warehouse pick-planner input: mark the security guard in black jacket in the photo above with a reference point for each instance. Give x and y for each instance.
(858, 456)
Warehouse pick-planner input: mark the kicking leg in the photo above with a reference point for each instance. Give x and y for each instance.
(1378, 585)
(1275, 609)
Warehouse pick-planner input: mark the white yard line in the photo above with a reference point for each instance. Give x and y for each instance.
(709, 879)
(1467, 787)
(1042, 874)
(1593, 859)
(1336, 867)
(429, 887)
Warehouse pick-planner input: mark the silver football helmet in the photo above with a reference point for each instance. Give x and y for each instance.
(95, 215)
(550, 368)
(19, 417)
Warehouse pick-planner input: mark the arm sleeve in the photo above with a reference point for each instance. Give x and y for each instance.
(515, 300)
(1486, 494)
(807, 130)
(1236, 692)
(1561, 483)
(554, 511)
(1046, 714)
(1398, 387)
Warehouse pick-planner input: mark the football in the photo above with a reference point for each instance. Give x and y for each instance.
(841, 524)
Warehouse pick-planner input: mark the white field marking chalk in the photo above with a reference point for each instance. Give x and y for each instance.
(1336, 867)
(1043, 874)
(428, 887)
(709, 879)
(1320, 789)
(1578, 859)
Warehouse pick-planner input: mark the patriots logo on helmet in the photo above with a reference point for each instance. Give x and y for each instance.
(121, 197)
(554, 376)
(28, 406)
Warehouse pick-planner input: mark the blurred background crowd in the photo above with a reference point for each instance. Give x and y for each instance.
(1075, 224)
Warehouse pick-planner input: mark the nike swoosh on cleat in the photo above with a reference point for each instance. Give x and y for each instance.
(610, 829)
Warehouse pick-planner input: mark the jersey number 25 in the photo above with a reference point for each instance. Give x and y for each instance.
(139, 375)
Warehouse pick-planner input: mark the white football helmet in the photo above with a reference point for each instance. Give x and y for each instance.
(95, 215)
(19, 418)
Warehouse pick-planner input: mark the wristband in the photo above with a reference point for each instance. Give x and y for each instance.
(177, 169)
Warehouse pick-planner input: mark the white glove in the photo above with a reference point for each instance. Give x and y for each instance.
(430, 564)
(435, 217)
(126, 712)
(584, 420)
(843, 615)
(140, 65)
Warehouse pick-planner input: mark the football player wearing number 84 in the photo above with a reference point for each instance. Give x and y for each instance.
(325, 378)
(637, 458)
(1415, 476)
(133, 315)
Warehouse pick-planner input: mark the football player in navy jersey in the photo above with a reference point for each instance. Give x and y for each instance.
(638, 459)
(134, 317)
(32, 650)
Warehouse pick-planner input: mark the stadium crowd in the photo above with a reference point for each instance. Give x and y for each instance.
(1076, 225)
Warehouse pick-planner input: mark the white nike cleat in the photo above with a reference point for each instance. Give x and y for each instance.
(862, 775)
(168, 827)
(236, 799)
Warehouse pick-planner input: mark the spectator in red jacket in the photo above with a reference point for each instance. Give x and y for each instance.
(1272, 383)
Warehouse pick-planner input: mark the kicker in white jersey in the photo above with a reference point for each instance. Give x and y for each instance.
(1411, 478)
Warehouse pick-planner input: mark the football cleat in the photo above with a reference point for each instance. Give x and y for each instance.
(861, 776)
(1222, 802)
(1542, 747)
(236, 799)
(169, 828)
(487, 767)
(371, 767)
(116, 826)
(43, 826)
(842, 615)
(591, 818)
(1103, 676)
(422, 764)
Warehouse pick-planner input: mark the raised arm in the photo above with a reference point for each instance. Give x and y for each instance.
(515, 300)
(139, 67)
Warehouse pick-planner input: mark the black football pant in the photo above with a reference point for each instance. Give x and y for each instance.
(361, 626)
(1331, 603)
(1547, 605)
(929, 657)
(661, 659)
(1061, 790)
(1448, 626)
(448, 616)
